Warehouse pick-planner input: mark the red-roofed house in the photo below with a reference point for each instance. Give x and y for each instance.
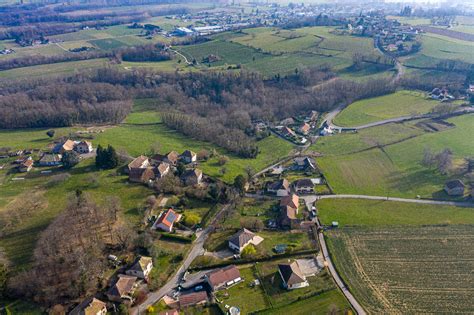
(223, 277)
(166, 220)
(195, 298)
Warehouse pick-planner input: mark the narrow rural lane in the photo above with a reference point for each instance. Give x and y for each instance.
(355, 305)
(196, 250)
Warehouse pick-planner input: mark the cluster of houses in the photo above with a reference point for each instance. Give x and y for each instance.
(25, 160)
(121, 291)
(146, 170)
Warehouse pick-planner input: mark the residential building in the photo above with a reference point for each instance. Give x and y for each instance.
(242, 239)
(192, 177)
(292, 276)
(280, 188)
(83, 147)
(290, 201)
(139, 162)
(191, 299)
(454, 188)
(188, 157)
(90, 306)
(303, 186)
(50, 160)
(141, 268)
(223, 277)
(304, 128)
(288, 132)
(161, 170)
(171, 158)
(26, 165)
(169, 312)
(166, 220)
(65, 146)
(141, 175)
(304, 164)
(287, 217)
(123, 289)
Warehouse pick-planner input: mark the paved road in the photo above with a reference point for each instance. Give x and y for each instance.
(310, 199)
(355, 305)
(196, 250)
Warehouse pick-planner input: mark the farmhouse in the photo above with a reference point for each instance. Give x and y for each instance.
(161, 170)
(171, 158)
(65, 146)
(141, 268)
(139, 162)
(242, 239)
(90, 306)
(26, 165)
(141, 175)
(188, 157)
(166, 220)
(454, 188)
(303, 186)
(280, 188)
(192, 177)
(223, 278)
(292, 276)
(50, 160)
(304, 164)
(194, 298)
(83, 147)
(123, 289)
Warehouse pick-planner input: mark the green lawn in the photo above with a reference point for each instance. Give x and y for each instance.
(443, 47)
(398, 104)
(331, 302)
(380, 213)
(396, 170)
(248, 299)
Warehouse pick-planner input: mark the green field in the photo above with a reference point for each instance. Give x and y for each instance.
(398, 104)
(396, 170)
(386, 213)
(411, 20)
(55, 69)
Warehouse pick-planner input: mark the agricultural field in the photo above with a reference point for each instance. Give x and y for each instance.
(395, 169)
(411, 20)
(56, 69)
(424, 269)
(398, 104)
(349, 212)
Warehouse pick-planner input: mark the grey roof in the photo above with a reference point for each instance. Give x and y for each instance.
(241, 237)
(455, 184)
(291, 273)
(305, 182)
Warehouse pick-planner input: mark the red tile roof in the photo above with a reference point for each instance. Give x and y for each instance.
(168, 218)
(223, 275)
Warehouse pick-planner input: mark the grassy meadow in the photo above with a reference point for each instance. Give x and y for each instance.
(398, 104)
(386, 166)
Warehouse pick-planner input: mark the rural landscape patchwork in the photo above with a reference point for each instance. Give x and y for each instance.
(236, 157)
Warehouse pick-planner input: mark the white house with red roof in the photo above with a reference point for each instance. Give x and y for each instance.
(166, 220)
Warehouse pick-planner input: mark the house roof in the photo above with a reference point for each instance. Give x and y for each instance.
(90, 306)
(162, 168)
(305, 127)
(87, 143)
(288, 131)
(169, 312)
(290, 200)
(192, 173)
(50, 158)
(188, 153)
(291, 273)
(123, 286)
(68, 145)
(141, 174)
(141, 263)
(304, 182)
(192, 298)
(138, 162)
(455, 184)
(242, 237)
(280, 184)
(172, 156)
(168, 218)
(223, 275)
(27, 163)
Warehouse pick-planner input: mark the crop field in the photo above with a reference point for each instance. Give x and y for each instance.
(411, 20)
(398, 104)
(451, 33)
(350, 212)
(408, 270)
(55, 69)
(396, 170)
